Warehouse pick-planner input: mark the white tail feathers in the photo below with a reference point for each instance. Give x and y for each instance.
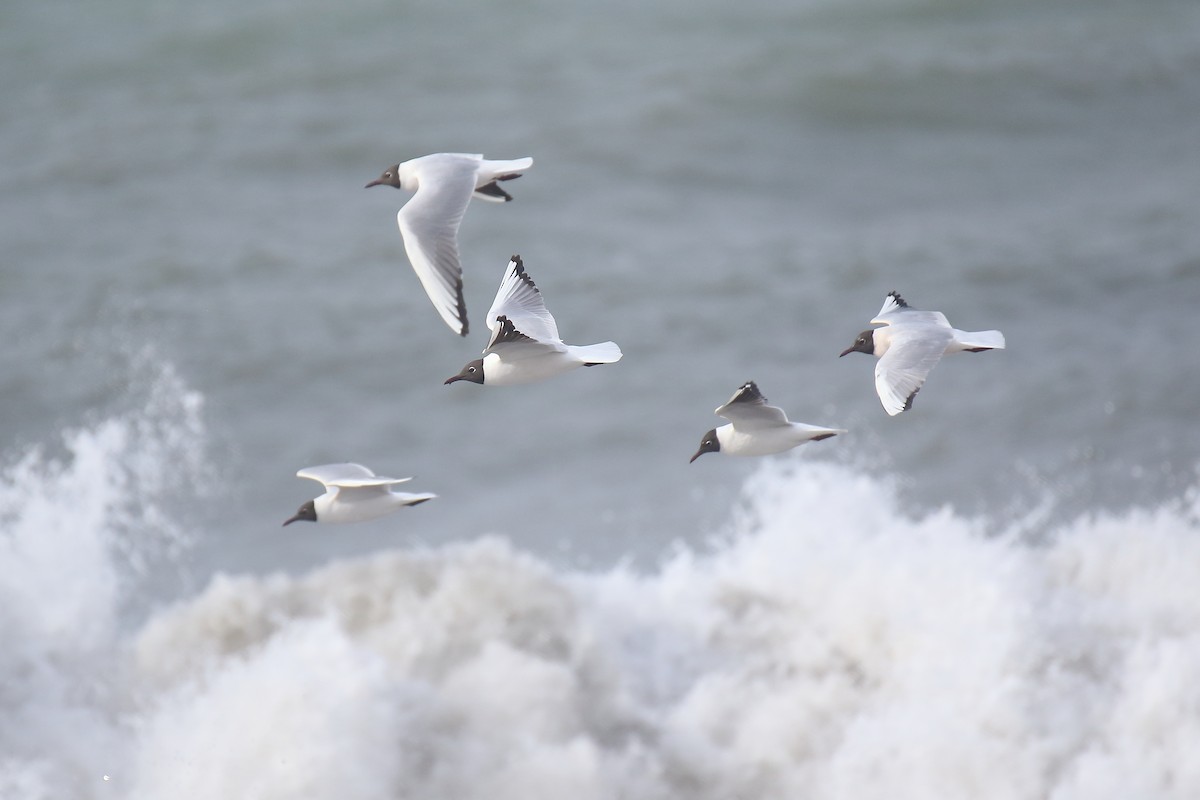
(603, 353)
(979, 340)
(817, 432)
(500, 169)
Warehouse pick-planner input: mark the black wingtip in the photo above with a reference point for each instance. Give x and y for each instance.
(508, 332)
(462, 308)
(493, 190)
(748, 393)
(899, 300)
(908, 403)
(519, 270)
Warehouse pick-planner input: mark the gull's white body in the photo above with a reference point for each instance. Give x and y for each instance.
(354, 493)
(736, 440)
(758, 429)
(443, 185)
(515, 368)
(911, 343)
(525, 346)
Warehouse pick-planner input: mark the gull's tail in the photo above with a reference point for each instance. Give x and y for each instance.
(413, 499)
(506, 170)
(977, 341)
(593, 354)
(492, 171)
(816, 433)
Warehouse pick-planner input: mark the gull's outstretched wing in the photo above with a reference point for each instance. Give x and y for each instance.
(347, 475)
(748, 409)
(902, 370)
(429, 225)
(895, 311)
(519, 302)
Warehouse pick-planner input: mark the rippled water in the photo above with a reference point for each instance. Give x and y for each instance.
(200, 298)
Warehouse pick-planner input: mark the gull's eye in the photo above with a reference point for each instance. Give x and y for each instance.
(471, 370)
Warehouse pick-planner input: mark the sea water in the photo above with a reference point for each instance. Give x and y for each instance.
(827, 644)
(990, 595)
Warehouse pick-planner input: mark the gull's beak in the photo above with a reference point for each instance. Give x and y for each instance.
(849, 349)
(452, 379)
(375, 182)
(699, 453)
(290, 520)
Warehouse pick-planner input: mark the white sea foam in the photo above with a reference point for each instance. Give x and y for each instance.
(828, 647)
(74, 534)
(832, 648)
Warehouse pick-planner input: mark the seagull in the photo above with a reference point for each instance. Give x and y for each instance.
(353, 493)
(525, 346)
(910, 345)
(443, 184)
(757, 429)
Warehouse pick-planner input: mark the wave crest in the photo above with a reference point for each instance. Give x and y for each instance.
(831, 647)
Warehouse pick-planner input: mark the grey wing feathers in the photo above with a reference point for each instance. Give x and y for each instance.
(429, 225)
(902, 370)
(433, 253)
(504, 332)
(347, 475)
(519, 301)
(748, 393)
(515, 344)
(748, 406)
(895, 310)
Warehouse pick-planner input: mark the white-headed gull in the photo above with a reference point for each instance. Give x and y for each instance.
(909, 345)
(525, 346)
(444, 184)
(353, 493)
(757, 429)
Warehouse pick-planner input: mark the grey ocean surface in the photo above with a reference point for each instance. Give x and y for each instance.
(727, 190)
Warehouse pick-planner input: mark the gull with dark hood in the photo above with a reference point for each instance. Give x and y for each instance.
(756, 428)
(525, 346)
(443, 185)
(909, 345)
(353, 493)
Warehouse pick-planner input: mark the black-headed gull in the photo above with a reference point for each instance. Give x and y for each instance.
(444, 184)
(757, 429)
(525, 346)
(353, 493)
(909, 345)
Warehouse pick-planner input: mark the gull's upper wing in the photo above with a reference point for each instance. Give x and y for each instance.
(347, 475)
(429, 224)
(515, 345)
(519, 301)
(748, 409)
(895, 311)
(902, 370)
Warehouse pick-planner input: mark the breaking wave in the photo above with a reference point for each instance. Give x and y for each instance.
(829, 646)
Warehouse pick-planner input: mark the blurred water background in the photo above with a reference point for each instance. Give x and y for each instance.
(991, 595)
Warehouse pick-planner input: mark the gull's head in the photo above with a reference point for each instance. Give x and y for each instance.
(390, 177)
(307, 513)
(865, 343)
(472, 372)
(709, 444)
